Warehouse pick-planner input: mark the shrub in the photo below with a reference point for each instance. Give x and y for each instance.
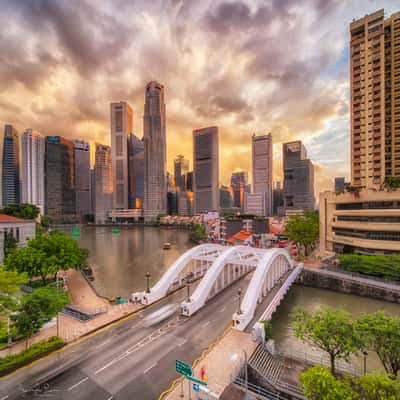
(36, 350)
(387, 266)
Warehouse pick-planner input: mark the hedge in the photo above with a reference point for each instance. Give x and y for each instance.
(386, 266)
(35, 351)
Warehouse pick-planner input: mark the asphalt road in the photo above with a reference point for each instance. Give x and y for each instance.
(128, 360)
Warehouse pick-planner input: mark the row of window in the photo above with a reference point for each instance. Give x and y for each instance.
(369, 235)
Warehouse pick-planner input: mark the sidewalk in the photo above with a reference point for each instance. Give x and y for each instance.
(85, 299)
(222, 364)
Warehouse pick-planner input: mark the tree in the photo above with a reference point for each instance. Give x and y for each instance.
(382, 335)
(24, 325)
(10, 243)
(46, 255)
(376, 386)
(303, 230)
(24, 211)
(392, 182)
(10, 283)
(331, 330)
(319, 384)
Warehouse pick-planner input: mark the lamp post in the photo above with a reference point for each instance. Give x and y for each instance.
(239, 300)
(365, 362)
(148, 282)
(188, 279)
(58, 303)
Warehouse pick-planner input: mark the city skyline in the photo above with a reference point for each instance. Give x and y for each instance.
(262, 100)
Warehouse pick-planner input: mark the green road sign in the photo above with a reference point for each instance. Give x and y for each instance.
(198, 381)
(183, 368)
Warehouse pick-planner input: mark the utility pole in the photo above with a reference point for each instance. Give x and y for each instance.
(148, 282)
(58, 304)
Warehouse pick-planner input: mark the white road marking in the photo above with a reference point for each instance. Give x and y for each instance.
(182, 343)
(4, 398)
(148, 369)
(102, 344)
(77, 384)
(110, 398)
(206, 324)
(222, 309)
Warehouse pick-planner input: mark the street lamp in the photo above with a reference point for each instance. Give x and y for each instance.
(239, 300)
(188, 279)
(148, 282)
(365, 362)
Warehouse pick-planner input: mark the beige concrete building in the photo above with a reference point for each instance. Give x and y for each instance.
(366, 222)
(375, 99)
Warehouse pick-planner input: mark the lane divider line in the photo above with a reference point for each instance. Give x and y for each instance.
(148, 369)
(4, 398)
(77, 384)
(206, 324)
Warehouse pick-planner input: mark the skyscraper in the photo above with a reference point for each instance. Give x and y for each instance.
(239, 188)
(60, 197)
(136, 172)
(205, 169)
(103, 183)
(33, 151)
(154, 128)
(82, 178)
(375, 99)
(298, 173)
(181, 168)
(121, 127)
(262, 168)
(11, 184)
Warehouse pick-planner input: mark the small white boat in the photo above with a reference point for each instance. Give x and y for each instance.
(166, 246)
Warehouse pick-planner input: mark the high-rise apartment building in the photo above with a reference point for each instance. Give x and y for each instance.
(262, 157)
(181, 168)
(205, 169)
(298, 173)
(82, 178)
(33, 151)
(154, 128)
(60, 197)
(375, 99)
(136, 172)
(103, 183)
(11, 184)
(121, 128)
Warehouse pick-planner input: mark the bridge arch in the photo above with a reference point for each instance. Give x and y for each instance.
(174, 274)
(236, 257)
(273, 265)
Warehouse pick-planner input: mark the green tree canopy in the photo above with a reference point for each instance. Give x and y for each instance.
(382, 335)
(319, 384)
(332, 330)
(24, 211)
(46, 255)
(376, 386)
(303, 230)
(10, 283)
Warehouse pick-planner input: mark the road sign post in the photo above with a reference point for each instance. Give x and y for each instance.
(183, 368)
(198, 381)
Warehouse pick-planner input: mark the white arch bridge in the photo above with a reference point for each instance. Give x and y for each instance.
(219, 266)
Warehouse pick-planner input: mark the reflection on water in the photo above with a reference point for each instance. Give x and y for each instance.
(311, 299)
(120, 261)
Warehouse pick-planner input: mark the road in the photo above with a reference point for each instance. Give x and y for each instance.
(128, 360)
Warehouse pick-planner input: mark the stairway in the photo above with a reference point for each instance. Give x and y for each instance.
(265, 364)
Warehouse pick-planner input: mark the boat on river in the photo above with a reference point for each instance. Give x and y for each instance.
(166, 246)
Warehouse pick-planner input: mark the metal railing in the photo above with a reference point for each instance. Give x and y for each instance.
(261, 392)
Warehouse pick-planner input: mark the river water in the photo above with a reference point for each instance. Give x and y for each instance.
(120, 262)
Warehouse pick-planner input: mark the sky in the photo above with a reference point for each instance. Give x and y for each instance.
(248, 66)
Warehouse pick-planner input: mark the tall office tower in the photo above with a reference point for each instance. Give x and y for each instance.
(340, 184)
(239, 188)
(262, 157)
(10, 167)
(189, 181)
(103, 183)
(205, 169)
(136, 172)
(298, 173)
(59, 169)
(181, 168)
(82, 178)
(121, 127)
(375, 99)
(155, 180)
(33, 151)
(92, 191)
(225, 197)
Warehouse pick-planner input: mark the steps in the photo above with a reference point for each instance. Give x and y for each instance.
(265, 364)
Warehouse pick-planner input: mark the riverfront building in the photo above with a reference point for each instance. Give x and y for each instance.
(375, 99)
(60, 197)
(33, 151)
(262, 157)
(154, 128)
(121, 127)
(11, 185)
(136, 172)
(205, 169)
(298, 175)
(82, 178)
(103, 183)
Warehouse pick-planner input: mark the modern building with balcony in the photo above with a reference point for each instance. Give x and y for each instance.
(364, 222)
